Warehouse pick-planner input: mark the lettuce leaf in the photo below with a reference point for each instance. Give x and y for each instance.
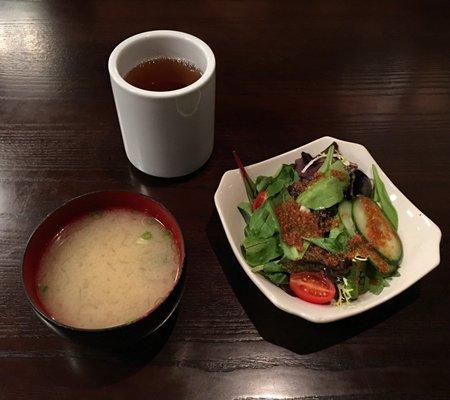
(263, 223)
(261, 243)
(381, 197)
(292, 253)
(361, 278)
(245, 208)
(258, 251)
(376, 281)
(273, 272)
(274, 185)
(327, 191)
(336, 242)
(327, 163)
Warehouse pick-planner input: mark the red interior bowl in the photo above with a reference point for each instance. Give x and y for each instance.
(75, 209)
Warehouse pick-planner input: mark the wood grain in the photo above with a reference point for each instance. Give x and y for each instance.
(377, 73)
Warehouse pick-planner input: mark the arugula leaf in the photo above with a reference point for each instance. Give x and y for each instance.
(245, 208)
(336, 242)
(272, 267)
(274, 185)
(259, 251)
(381, 197)
(352, 285)
(364, 281)
(269, 268)
(376, 285)
(376, 281)
(262, 182)
(262, 243)
(287, 176)
(274, 272)
(327, 191)
(395, 274)
(361, 278)
(353, 280)
(327, 163)
(263, 222)
(278, 278)
(247, 231)
(292, 253)
(330, 245)
(281, 197)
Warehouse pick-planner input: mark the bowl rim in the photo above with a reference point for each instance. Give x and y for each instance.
(67, 203)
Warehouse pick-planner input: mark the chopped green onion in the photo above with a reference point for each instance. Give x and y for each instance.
(144, 238)
(42, 288)
(149, 221)
(146, 235)
(96, 214)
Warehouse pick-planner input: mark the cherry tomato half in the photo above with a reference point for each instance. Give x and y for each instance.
(260, 199)
(313, 287)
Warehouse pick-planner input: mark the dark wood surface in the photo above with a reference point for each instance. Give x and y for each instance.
(377, 73)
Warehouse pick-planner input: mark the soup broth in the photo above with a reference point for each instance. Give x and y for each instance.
(107, 269)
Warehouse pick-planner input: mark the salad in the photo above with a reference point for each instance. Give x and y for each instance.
(321, 229)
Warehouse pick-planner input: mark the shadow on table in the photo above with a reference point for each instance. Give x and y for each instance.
(286, 330)
(141, 178)
(93, 367)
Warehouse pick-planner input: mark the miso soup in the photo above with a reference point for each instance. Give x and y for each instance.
(107, 269)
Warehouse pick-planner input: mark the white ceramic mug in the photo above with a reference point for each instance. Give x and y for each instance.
(165, 134)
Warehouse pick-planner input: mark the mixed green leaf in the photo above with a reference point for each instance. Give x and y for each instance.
(274, 272)
(329, 189)
(326, 182)
(381, 197)
(262, 242)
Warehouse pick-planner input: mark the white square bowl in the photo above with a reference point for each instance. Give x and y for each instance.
(420, 236)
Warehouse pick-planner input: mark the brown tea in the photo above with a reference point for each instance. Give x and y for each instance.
(163, 74)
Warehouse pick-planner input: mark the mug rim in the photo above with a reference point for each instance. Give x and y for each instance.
(119, 80)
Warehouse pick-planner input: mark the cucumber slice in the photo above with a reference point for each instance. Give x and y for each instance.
(382, 266)
(345, 213)
(378, 231)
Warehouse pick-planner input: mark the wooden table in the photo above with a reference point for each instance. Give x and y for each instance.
(377, 73)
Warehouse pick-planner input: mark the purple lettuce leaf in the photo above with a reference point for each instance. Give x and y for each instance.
(360, 184)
